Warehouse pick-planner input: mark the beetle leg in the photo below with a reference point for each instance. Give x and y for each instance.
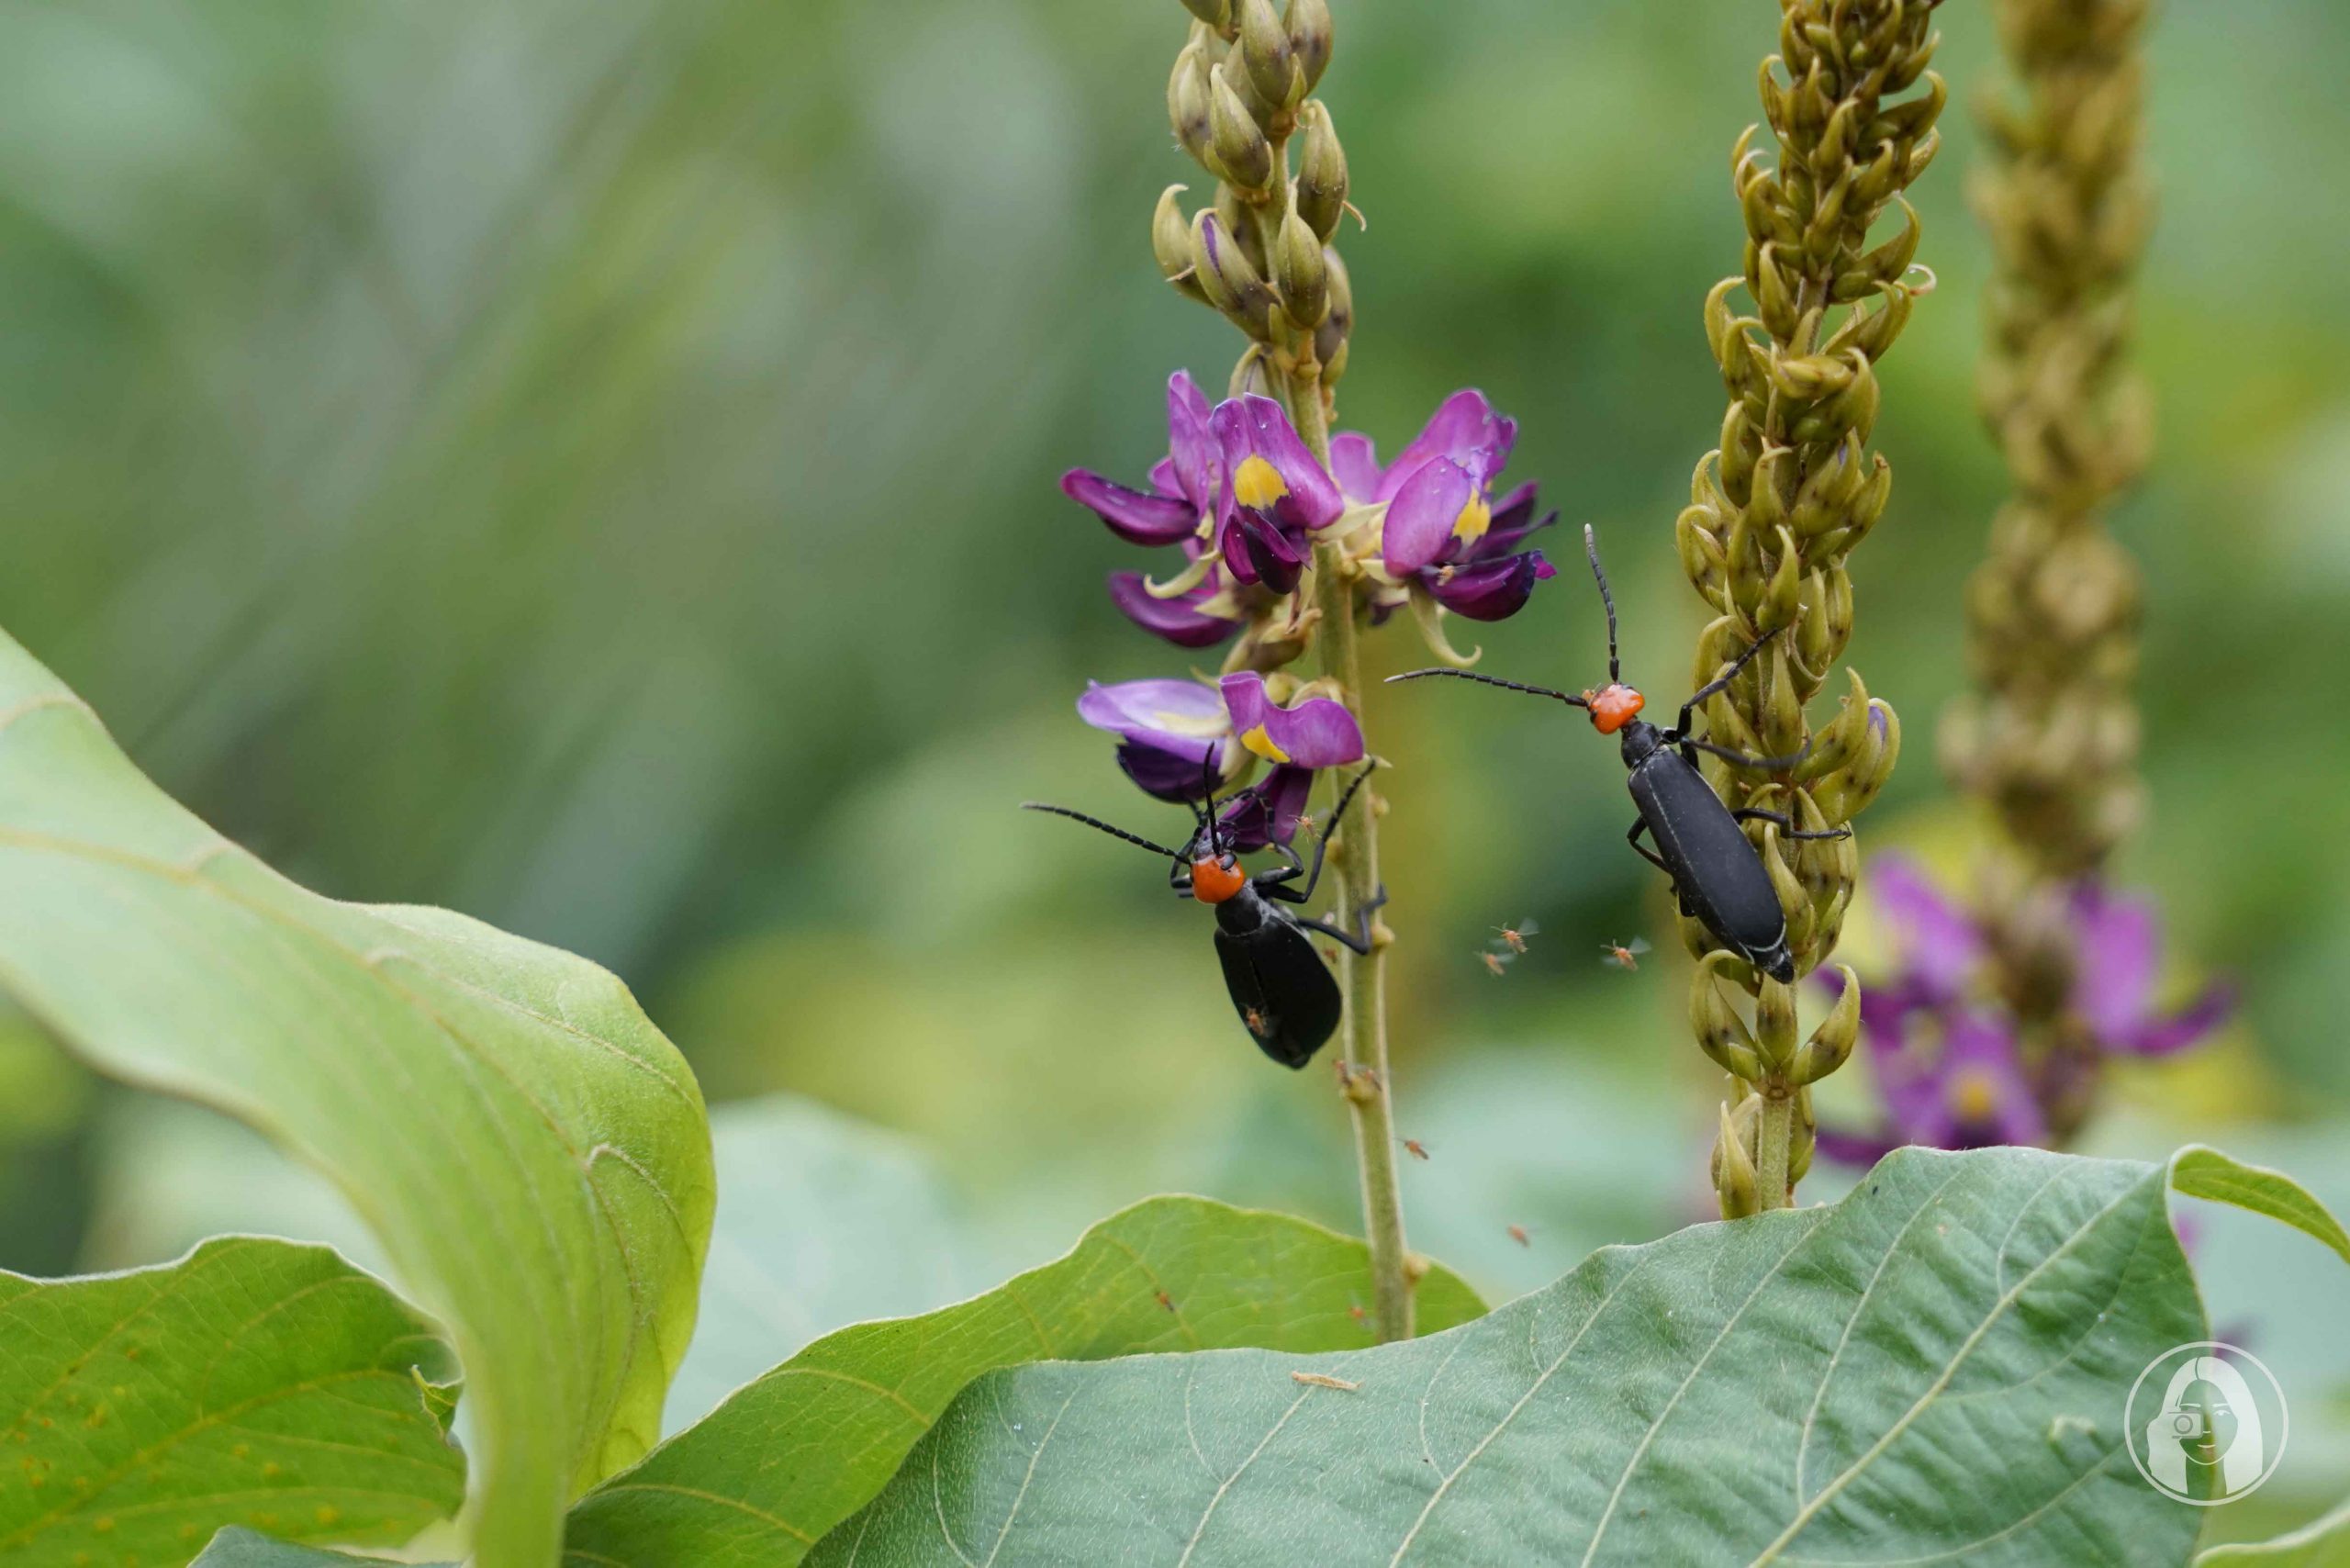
(1322, 839)
(1639, 826)
(1359, 939)
(1786, 828)
(1689, 708)
(1267, 881)
(1741, 759)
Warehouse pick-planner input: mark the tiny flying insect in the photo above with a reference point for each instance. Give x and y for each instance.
(1283, 993)
(1519, 1234)
(1497, 961)
(1716, 872)
(1623, 954)
(1513, 936)
(1413, 1148)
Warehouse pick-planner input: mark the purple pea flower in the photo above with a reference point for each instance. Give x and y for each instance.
(1172, 733)
(1275, 497)
(1176, 510)
(1443, 527)
(1951, 1068)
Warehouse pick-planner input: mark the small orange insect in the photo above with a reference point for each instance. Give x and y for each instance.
(1358, 1314)
(1414, 1148)
(1513, 936)
(1497, 964)
(1255, 1019)
(1623, 954)
(1517, 1233)
(1165, 1299)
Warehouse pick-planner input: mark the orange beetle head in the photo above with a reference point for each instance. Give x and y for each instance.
(1612, 706)
(1217, 879)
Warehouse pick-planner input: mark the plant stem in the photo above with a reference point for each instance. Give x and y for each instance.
(1774, 1134)
(1362, 981)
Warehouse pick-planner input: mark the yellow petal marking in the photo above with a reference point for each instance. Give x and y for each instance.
(1474, 518)
(1257, 484)
(1258, 741)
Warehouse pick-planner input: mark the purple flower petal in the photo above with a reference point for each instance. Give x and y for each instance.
(1166, 775)
(1421, 518)
(1191, 448)
(1503, 538)
(2175, 1032)
(1939, 944)
(1178, 716)
(1854, 1149)
(1268, 468)
(2117, 951)
(1465, 429)
(1133, 516)
(1354, 462)
(1267, 811)
(1259, 550)
(1317, 733)
(1983, 1075)
(1489, 590)
(1179, 621)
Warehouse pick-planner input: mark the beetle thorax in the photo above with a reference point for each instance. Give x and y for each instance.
(1215, 878)
(1642, 741)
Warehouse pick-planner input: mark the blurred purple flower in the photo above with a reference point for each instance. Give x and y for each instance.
(1170, 729)
(1951, 1071)
(1443, 527)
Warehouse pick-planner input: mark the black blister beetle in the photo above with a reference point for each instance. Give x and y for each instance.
(1716, 872)
(1285, 995)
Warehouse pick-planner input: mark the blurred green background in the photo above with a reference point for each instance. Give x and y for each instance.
(593, 466)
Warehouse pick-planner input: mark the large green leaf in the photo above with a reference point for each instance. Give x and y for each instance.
(797, 1452)
(254, 1380)
(1932, 1369)
(530, 1148)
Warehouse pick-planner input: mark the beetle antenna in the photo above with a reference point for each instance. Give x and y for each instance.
(1207, 808)
(1345, 799)
(1571, 701)
(1591, 548)
(1105, 827)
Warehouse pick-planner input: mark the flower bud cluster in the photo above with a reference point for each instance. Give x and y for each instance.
(1259, 252)
(1776, 510)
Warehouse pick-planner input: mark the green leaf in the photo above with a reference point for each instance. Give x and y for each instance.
(242, 1548)
(528, 1148)
(2202, 1173)
(1934, 1369)
(255, 1380)
(2322, 1544)
(823, 1221)
(791, 1455)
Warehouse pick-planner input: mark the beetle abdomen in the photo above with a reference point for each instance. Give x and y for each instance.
(1284, 994)
(1715, 867)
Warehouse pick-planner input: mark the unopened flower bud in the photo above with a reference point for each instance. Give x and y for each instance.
(1831, 1043)
(1338, 323)
(1300, 272)
(1733, 1161)
(1242, 151)
(1215, 13)
(1721, 1034)
(1170, 245)
(1774, 1022)
(1321, 174)
(1309, 39)
(1187, 104)
(1232, 285)
(1265, 54)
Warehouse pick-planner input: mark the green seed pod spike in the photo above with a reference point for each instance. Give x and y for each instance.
(1301, 273)
(1321, 174)
(1242, 148)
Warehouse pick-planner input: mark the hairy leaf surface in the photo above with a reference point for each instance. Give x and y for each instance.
(1932, 1370)
(788, 1457)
